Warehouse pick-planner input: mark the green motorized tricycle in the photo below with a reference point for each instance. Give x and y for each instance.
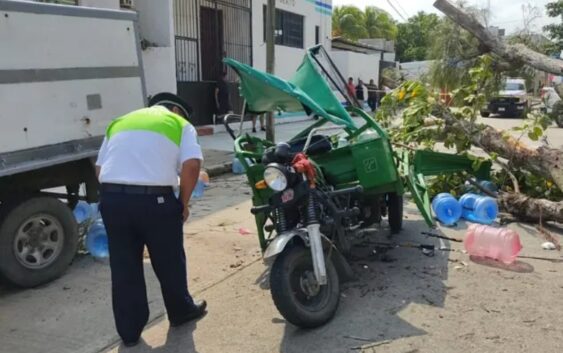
(315, 194)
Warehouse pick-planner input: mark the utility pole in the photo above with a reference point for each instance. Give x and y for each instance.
(270, 59)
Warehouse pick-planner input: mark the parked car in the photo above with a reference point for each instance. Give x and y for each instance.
(511, 101)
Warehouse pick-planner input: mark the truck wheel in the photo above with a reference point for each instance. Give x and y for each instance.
(395, 211)
(485, 114)
(296, 293)
(38, 240)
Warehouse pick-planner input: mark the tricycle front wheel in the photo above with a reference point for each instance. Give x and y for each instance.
(395, 212)
(296, 292)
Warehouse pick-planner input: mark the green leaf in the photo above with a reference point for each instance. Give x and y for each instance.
(533, 136)
(538, 131)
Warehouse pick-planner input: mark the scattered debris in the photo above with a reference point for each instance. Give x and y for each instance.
(371, 345)
(359, 338)
(244, 231)
(549, 237)
(237, 264)
(428, 234)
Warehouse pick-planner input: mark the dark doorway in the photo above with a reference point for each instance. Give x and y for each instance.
(211, 43)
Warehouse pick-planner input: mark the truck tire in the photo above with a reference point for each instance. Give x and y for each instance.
(38, 240)
(395, 212)
(485, 114)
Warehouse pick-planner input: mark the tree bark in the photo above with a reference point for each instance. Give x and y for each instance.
(529, 209)
(511, 53)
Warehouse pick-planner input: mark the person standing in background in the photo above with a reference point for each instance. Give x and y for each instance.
(351, 88)
(360, 93)
(222, 99)
(372, 95)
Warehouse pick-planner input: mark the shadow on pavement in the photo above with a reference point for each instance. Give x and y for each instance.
(74, 313)
(179, 339)
(516, 266)
(388, 283)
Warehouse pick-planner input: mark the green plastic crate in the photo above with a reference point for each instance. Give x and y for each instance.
(369, 162)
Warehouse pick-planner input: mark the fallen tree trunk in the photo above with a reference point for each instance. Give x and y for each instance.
(528, 209)
(544, 161)
(511, 53)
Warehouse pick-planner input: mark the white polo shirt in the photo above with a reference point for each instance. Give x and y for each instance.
(147, 147)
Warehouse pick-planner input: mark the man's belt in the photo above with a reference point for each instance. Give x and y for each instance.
(136, 189)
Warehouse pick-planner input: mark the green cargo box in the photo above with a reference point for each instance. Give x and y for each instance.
(369, 162)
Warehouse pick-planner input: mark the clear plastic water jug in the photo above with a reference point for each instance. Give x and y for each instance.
(238, 168)
(446, 208)
(83, 212)
(501, 244)
(478, 208)
(199, 189)
(97, 240)
(369, 134)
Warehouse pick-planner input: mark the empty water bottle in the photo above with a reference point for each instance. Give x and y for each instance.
(97, 240)
(238, 168)
(501, 244)
(478, 208)
(446, 208)
(484, 184)
(83, 212)
(198, 190)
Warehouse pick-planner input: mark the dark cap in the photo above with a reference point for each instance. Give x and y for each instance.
(170, 100)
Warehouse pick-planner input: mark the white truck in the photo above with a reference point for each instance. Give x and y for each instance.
(512, 100)
(65, 72)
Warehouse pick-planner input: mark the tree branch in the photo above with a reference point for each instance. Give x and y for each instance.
(544, 161)
(510, 53)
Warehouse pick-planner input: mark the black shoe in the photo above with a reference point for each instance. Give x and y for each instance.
(131, 343)
(197, 312)
(254, 130)
(262, 129)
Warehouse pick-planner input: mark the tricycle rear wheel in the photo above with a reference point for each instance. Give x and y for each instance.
(295, 292)
(395, 212)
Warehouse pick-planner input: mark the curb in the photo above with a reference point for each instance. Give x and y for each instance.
(219, 169)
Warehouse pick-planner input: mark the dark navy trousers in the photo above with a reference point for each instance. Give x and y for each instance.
(134, 221)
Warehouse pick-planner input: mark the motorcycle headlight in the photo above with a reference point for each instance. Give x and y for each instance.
(275, 178)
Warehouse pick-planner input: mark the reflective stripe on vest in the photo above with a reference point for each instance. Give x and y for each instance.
(154, 119)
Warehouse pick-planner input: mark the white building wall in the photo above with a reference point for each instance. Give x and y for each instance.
(357, 65)
(288, 59)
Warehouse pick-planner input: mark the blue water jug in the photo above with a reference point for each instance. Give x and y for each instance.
(478, 209)
(97, 240)
(446, 208)
(198, 190)
(238, 168)
(485, 184)
(83, 212)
